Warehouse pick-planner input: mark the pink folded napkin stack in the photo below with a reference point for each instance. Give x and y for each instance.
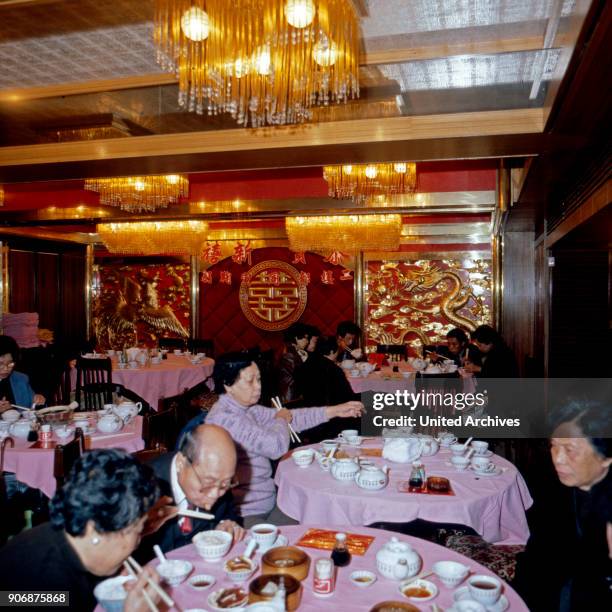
(23, 327)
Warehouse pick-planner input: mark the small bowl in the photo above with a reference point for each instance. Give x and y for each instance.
(460, 462)
(287, 560)
(450, 573)
(303, 458)
(10, 415)
(111, 594)
(241, 574)
(363, 578)
(174, 571)
(417, 586)
(241, 598)
(213, 544)
(457, 449)
(293, 589)
(201, 582)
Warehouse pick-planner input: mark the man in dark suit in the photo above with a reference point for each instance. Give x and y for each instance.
(199, 476)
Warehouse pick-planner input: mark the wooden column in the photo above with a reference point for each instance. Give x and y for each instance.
(194, 293)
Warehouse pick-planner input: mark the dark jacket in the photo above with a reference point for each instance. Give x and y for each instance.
(169, 536)
(41, 559)
(499, 362)
(289, 367)
(321, 382)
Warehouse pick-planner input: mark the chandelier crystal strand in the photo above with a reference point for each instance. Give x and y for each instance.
(254, 64)
(154, 237)
(140, 193)
(347, 233)
(362, 181)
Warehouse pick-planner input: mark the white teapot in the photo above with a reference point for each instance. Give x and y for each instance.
(344, 469)
(402, 450)
(372, 477)
(21, 428)
(397, 560)
(127, 410)
(429, 445)
(110, 423)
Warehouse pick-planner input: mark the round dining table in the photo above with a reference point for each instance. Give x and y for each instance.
(346, 596)
(34, 465)
(383, 382)
(166, 379)
(493, 505)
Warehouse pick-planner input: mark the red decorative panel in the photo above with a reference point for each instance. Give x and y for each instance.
(137, 304)
(418, 301)
(222, 319)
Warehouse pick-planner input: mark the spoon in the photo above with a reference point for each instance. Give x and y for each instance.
(248, 552)
(159, 554)
(467, 442)
(470, 453)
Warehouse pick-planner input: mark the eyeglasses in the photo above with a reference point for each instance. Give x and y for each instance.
(208, 484)
(8, 365)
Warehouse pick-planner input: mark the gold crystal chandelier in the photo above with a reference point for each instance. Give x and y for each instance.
(360, 182)
(154, 237)
(140, 193)
(266, 62)
(347, 233)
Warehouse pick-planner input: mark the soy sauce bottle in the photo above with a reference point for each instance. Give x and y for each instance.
(340, 555)
(417, 477)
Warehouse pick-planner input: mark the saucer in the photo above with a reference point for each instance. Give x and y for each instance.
(281, 540)
(496, 472)
(499, 606)
(487, 453)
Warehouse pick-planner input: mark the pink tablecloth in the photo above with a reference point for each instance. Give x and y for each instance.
(171, 377)
(375, 381)
(34, 466)
(346, 596)
(492, 505)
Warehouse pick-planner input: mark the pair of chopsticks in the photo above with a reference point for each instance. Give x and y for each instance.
(196, 514)
(134, 568)
(292, 433)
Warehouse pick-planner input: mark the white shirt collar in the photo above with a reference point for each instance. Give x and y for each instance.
(180, 499)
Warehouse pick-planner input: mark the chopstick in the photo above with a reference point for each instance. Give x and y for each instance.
(196, 514)
(165, 597)
(20, 407)
(292, 433)
(148, 599)
(417, 577)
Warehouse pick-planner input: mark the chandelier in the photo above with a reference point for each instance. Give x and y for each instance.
(362, 181)
(154, 237)
(348, 233)
(1, 196)
(140, 193)
(266, 62)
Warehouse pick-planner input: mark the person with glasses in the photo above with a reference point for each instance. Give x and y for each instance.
(14, 386)
(199, 476)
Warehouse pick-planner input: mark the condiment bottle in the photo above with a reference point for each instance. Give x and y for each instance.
(417, 476)
(323, 579)
(340, 555)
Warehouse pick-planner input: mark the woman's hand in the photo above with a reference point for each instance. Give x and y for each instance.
(135, 600)
(284, 414)
(233, 528)
(39, 399)
(161, 512)
(348, 409)
(4, 405)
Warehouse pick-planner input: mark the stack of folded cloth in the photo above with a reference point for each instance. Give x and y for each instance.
(23, 327)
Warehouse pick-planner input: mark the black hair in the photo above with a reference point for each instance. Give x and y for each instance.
(487, 335)
(347, 327)
(106, 486)
(458, 334)
(296, 330)
(326, 345)
(594, 418)
(228, 367)
(8, 345)
(313, 331)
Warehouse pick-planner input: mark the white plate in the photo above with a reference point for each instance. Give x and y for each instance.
(281, 540)
(487, 453)
(212, 600)
(499, 606)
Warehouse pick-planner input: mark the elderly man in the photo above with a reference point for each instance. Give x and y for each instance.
(569, 542)
(199, 476)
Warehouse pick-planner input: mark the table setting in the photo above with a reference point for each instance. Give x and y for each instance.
(359, 481)
(297, 568)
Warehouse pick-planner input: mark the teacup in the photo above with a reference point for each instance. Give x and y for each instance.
(122, 365)
(457, 449)
(348, 433)
(156, 360)
(450, 573)
(200, 355)
(178, 352)
(484, 589)
(82, 424)
(447, 439)
(303, 457)
(354, 440)
(264, 534)
(355, 373)
(482, 464)
(460, 462)
(480, 447)
(329, 445)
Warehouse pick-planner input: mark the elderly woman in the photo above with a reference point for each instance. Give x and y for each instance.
(97, 518)
(14, 386)
(260, 433)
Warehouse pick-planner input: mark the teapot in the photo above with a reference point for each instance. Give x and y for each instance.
(429, 445)
(127, 410)
(372, 477)
(397, 560)
(402, 450)
(20, 428)
(344, 469)
(110, 423)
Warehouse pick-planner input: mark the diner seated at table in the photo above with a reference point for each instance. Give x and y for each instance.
(458, 348)
(314, 333)
(347, 338)
(199, 476)
(291, 361)
(260, 433)
(96, 522)
(570, 535)
(497, 358)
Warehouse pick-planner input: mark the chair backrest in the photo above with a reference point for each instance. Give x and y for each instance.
(66, 455)
(202, 345)
(160, 429)
(61, 395)
(172, 343)
(94, 383)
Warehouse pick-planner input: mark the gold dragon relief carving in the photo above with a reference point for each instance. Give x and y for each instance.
(418, 302)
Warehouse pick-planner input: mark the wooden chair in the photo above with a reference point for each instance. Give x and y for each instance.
(202, 345)
(61, 396)
(172, 343)
(65, 456)
(94, 383)
(160, 429)
(145, 456)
